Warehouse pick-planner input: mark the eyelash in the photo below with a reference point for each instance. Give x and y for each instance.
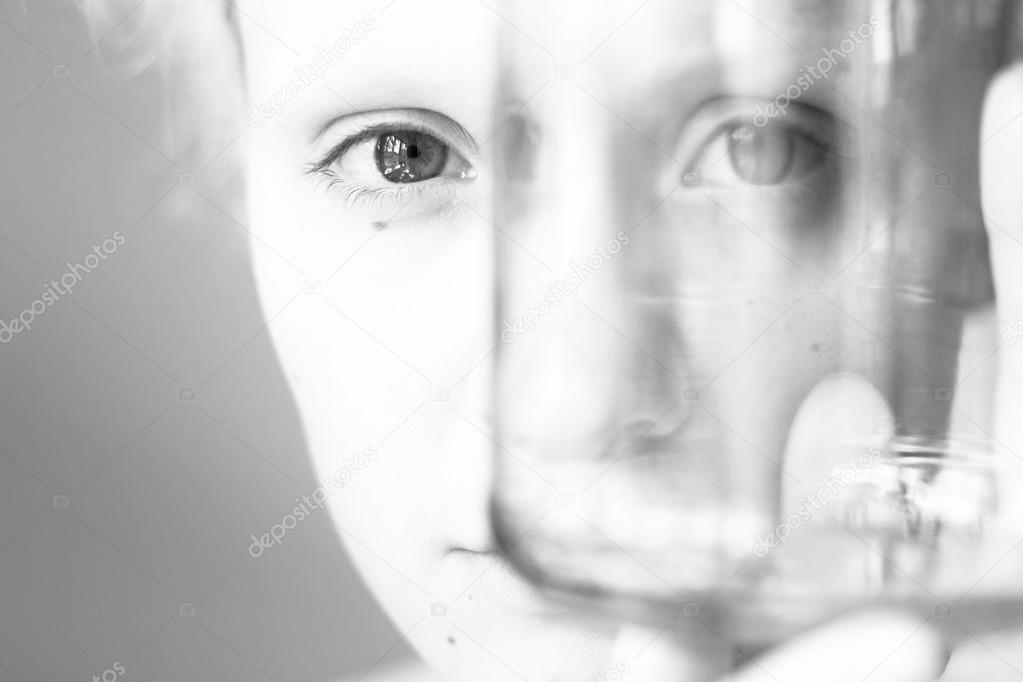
(353, 195)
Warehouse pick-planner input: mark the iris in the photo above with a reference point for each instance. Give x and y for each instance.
(408, 156)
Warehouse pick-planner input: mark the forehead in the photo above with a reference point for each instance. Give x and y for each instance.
(442, 54)
(306, 22)
(453, 36)
(376, 37)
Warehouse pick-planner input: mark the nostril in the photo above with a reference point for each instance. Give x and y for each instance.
(672, 419)
(633, 431)
(657, 421)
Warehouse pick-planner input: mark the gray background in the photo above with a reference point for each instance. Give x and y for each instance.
(147, 564)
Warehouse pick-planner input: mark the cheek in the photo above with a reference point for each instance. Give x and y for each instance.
(388, 348)
(395, 327)
(411, 300)
(394, 353)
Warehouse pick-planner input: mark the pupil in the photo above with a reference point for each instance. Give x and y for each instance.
(406, 156)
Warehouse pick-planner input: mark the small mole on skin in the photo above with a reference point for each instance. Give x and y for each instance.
(380, 225)
(451, 641)
(815, 347)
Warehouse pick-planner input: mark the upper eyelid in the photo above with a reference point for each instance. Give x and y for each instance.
(340, 149)
(434, 123)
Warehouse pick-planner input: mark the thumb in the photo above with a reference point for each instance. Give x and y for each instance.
(876, 645)
(879, 646)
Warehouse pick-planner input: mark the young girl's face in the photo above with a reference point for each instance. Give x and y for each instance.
(379, 296)
(373, 129)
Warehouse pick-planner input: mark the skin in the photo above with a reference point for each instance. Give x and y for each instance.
(394, 353)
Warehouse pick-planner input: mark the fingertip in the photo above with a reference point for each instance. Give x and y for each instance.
(1006, 88)
(1002, 147)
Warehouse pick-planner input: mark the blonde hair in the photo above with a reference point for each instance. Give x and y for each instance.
(194, 48)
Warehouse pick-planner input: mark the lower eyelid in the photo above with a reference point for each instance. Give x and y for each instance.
(393, 200)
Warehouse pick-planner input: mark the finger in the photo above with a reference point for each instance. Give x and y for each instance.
(877, 646)
(841, 418)
(1002, 192)
(996, 658)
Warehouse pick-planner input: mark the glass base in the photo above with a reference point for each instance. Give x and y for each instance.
(927, 528)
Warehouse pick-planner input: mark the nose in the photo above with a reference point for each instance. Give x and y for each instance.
(588, 358)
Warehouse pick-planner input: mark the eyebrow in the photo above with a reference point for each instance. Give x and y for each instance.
(445, 125)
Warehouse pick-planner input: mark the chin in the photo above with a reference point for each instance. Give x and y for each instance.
(497, 627)
(495, 642)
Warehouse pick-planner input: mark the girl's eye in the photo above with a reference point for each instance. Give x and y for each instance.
(770, 156)
(410, 156)
(739, 153)
(402, 164)
(392, 158)
(743, 154)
